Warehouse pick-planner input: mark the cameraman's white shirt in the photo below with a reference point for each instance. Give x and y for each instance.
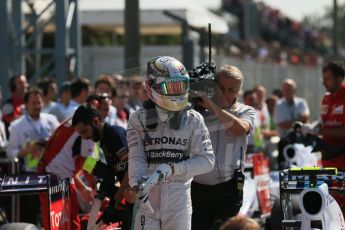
(227, 147)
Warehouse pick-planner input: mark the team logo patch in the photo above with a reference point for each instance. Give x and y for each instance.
(338, 110)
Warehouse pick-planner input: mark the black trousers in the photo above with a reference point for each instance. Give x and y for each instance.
(214, 204)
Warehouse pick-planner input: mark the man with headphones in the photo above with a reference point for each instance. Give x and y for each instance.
(49, 88)
(12, 108)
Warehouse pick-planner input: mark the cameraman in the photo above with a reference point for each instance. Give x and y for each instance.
(215, 195)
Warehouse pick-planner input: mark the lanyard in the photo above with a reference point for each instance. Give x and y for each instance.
(40, 132)
(3, 139)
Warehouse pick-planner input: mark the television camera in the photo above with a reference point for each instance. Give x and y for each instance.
(202, 80)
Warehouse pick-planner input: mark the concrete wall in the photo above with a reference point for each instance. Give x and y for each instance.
(98, 60)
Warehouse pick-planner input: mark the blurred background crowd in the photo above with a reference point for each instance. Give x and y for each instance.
(46, 46)
(118, 97)
(262, 33)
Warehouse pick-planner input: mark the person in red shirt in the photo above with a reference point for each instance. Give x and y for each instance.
(332, 125)
(12, 108)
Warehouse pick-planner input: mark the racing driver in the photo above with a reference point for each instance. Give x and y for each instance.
(168, 145)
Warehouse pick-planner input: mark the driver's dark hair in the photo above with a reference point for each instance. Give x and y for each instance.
(85, 114)
(336, 67)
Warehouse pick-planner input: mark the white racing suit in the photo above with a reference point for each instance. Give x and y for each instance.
(189, 147)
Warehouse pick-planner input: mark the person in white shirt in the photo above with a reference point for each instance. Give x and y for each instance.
(3, 136)
(261, 106)
(80, 89)
(49, 89)
(29, 132)
(287, 111)
(290, 108)
(28, 135)
(61, 106)
(255, 136)
(136, 85)
(104, 86)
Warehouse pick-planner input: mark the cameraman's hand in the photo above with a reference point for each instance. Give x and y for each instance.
(204, 101)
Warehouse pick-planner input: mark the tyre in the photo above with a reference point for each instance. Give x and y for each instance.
(18, 226)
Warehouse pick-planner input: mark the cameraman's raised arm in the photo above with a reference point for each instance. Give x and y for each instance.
(229, 80)
(232, 123)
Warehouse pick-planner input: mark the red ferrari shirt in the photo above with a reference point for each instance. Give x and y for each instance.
(12, 109)
(333, 114)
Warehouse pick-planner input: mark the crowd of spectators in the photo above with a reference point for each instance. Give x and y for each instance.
(125, 96)
(260, 51)
(276, 114)
(32, 113)
(279, 39)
